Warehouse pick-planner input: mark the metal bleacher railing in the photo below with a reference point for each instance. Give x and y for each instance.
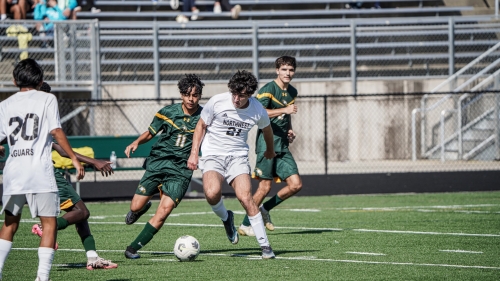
(83, 55)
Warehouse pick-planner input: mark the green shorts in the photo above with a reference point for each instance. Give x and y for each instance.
(164, 183)
(279, 168)
(67, 194)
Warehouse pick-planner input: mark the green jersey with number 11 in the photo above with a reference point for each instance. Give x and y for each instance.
(171, 152)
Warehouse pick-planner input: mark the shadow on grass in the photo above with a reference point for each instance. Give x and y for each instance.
(66, 267)
(253, 252)
(319, 231)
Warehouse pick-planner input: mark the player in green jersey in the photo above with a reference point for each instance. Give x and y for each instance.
(166, 170)
(76, 212)
(278, 97)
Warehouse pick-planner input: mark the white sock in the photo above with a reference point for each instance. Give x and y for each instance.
(259, 229)
(5, 247)
(220, 210)
(45, 257)
(92, 254)
(3, 16)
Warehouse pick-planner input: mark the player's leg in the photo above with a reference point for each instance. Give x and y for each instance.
(264, 171)
(286, 168)
(213, 170)
(243, 189)
(148, 186)
(46, 207)
(12, 206)
(172, 192)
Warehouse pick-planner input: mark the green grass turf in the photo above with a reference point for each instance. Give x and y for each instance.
(317, 238)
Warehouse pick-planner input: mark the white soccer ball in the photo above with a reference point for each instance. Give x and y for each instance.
(186, 248)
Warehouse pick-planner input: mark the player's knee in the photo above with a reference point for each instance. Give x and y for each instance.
(296, 187)
(85, 214)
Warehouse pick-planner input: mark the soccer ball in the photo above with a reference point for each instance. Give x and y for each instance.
(186, 248)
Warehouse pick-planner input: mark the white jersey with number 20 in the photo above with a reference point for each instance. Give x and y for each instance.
(228, 127)
(26, 119)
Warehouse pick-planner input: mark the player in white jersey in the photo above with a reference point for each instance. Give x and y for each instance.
(29, 120)
(223, 127)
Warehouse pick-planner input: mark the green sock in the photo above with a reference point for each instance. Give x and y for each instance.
(271, 203)
(62, 223)
(89, 243)
(144, 237)
(246, 221)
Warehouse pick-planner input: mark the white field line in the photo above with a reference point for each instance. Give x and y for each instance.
(461, 251)
(410, 207)
(368, 254)
(295, 258)
(305, 228)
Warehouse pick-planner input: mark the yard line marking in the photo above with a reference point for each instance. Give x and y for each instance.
(426, 232)
(307, 228)
(300, 258)
(363, 253)
(302, 210)
(461, 251)
(412, 207)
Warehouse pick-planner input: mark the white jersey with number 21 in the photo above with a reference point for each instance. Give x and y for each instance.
(228, 127)
(26, 119)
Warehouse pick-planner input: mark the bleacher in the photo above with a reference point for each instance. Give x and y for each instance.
(118, 10)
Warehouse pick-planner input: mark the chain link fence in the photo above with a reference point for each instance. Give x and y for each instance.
(335, 134)
(88, 54)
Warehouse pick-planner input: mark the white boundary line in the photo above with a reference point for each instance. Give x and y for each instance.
(461, 251)
(308, 228)
(252, 257)
(368, 254)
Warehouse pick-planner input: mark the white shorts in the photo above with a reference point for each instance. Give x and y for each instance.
(40, 204)
(228, 166)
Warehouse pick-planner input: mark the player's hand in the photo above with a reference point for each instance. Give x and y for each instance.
(291, 136)
(80, 171)
(192, 162)
(269, 154)
(131, 148)
(291, 109)
(2, 151)
(104, 167)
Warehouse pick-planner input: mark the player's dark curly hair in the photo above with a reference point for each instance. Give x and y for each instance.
(285, 60)
(28, 73)
(243, 80)
(45, 87)
(187, 83)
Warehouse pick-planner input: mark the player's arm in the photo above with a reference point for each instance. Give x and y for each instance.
(290, 109)
(291, 134)
(145, 137)
(61, 139)
(2, 151)
(101, 165)
(269, 139)
(199, 134)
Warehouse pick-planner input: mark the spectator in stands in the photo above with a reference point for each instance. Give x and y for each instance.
(18, 9)
(220, 5)
(359, 4)
(188, 6)
(47, 12)
(69, 7)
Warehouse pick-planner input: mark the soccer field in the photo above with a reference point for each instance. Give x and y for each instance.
(438, 236)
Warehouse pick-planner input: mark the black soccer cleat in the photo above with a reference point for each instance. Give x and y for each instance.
(267, 252)
(231, 232)
(132, 217)
(131, 253)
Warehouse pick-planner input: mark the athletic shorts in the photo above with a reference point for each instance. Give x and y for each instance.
(67, 194)
(228, 166)
(279, 168)
(40, 204)
(174, 186)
